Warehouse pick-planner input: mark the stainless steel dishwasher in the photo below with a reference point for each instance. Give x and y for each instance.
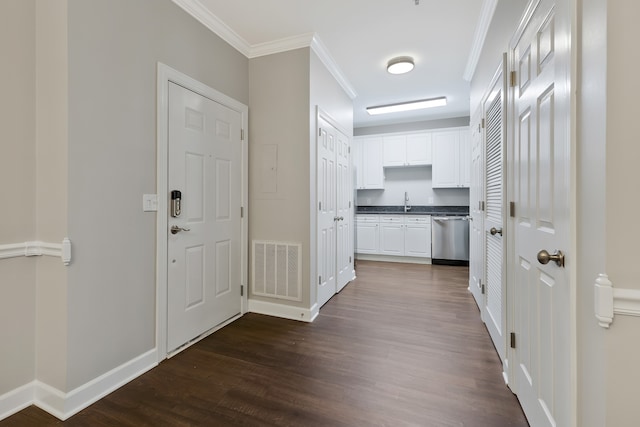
(450, 240)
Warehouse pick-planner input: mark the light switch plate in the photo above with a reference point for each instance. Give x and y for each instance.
(150, 202)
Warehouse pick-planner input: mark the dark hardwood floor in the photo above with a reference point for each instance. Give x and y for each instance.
(403, 345)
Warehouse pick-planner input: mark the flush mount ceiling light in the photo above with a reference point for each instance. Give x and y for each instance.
(408, 106)
(400, 65)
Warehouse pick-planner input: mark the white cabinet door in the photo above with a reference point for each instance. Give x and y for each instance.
(394, 151)
(418, 149)
(451, 159)
(367, 232)
(392, 236)
(445, 159)
(372, 172)
(417, 237)
(465, 159)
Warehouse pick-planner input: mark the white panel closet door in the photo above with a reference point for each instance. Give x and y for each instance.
(204, 254)
(541, 191)
(476, 232)
(335, 211)
(327, 214)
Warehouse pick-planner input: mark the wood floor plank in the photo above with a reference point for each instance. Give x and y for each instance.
(402, 345)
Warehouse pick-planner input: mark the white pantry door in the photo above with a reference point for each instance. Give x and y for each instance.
(494, 310)
(204, 254)
(344, 212)
(541, 191)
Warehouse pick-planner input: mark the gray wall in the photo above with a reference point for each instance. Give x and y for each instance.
(279, 115)
(113, 50)
(622, 174)
(17, 173)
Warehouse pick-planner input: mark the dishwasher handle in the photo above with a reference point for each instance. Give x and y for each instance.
(450, 218)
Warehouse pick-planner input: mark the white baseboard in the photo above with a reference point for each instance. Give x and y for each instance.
(16, 400)
(63, 405)
(284, 311)
(393, 258)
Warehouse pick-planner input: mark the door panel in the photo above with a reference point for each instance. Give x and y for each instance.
(476, 228)
(541, 194)
(327, 214)
(344, 206)
(494, 313)
(204, 258)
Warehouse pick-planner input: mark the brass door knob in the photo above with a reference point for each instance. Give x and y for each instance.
(495, 231)
(544, 257)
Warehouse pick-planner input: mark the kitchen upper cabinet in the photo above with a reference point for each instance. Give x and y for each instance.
(451, 159)
(407, 150)
(368, 162)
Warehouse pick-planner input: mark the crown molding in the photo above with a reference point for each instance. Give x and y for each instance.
(486, 15)
(213, 23)
(323, 53)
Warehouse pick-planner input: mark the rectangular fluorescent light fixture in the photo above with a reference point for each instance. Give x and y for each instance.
(408, 106)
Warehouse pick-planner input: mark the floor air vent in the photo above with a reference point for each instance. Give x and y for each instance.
(276, 270)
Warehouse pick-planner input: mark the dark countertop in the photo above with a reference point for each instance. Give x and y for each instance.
(415, 210)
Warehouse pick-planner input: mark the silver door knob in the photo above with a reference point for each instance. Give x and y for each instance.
(495, 231)
(175, 229)
(544, 257)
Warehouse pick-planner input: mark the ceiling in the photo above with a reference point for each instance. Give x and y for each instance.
(362, 36)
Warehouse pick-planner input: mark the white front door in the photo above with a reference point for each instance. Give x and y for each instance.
(541, 192)
(494, 312)
(203, 253)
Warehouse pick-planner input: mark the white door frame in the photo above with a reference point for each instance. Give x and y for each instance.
(165, 75)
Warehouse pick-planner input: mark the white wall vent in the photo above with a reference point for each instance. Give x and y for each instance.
(276, 271)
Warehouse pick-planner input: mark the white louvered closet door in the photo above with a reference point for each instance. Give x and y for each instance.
(494, 313)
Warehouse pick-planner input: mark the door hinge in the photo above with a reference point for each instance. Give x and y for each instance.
(241, 211)
(241, 134)
(513, 339)
(482, 289)
(512, 209)
(319, 131)
(349, 260)
(513, 79)
(319, 206)
(242, 290)
(482, 123)
(481, 205)
(349, 150)
(349, 203)
(319, 280)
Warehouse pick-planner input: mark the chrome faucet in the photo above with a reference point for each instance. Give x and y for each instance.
(407, 206)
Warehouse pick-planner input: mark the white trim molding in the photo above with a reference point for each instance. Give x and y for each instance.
(63, 405)
(486, 15)
(284, 311)
(38, 248)
(610, 301)
(202, 14)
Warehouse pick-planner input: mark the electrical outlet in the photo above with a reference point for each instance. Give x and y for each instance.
(430, 200)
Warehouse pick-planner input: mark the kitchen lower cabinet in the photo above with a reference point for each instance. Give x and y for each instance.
(394, 235)
(417, 236)
(367, 234)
